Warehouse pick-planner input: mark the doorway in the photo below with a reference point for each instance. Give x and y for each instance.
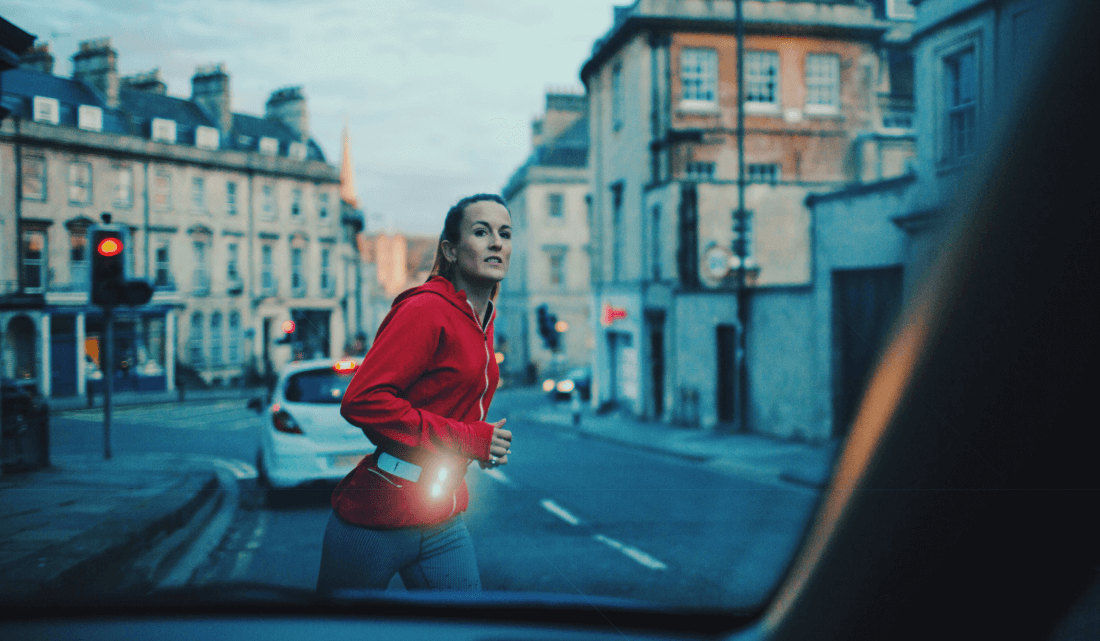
(726, 388)
(866, 303)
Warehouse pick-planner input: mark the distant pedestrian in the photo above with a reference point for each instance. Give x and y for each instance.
(422, 395)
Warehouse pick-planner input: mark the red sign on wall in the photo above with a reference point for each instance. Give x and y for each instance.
(611, 314)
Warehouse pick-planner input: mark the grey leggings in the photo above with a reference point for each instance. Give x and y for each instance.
(436, 557)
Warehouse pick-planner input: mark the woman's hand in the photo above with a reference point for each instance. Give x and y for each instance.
(500, 446)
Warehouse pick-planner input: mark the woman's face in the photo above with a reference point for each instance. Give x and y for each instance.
(485, 245)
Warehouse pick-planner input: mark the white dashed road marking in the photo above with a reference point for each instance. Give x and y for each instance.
(244, 557)
(632, 552)
(560, 512)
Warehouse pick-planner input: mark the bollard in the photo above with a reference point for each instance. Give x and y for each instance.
(575, 406)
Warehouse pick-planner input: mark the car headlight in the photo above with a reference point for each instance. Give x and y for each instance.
(548, 385)
(566, 386)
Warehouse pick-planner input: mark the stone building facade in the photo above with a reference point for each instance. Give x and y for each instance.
(876, 241)
(827, 102)
(549, 200)
(235, 219)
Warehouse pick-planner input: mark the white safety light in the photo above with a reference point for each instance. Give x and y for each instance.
(443, 474)
(437, 489)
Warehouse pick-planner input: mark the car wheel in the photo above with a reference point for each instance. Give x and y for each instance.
(270, 494)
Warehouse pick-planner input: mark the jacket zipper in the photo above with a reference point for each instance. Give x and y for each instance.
(481, 400)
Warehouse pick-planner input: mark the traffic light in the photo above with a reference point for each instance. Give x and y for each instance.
(108, 266)
(548, 327)
(288, 328)
(108, 285)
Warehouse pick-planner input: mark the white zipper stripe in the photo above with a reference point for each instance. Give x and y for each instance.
(481, 400)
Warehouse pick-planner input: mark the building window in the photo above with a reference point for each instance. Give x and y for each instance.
(822, 83)
(124, 187)
(617, 230)
(231, 198)
(78, 258)
(699, 171)
(198, 194)
(231, 254)
(762, 80)
(80, 183)
(617, 97)
(297, 280)
(34, 261)
(322, 205)
(269, 202)
(164, 267)
(961, 76)
(267, 267)
(557, 268)
(162, 190)
(699, 75)
(196, 351)
(655, 234)
(327, 283)
(554, 205)
(216, 339)
(233, 347)
(763, 173)
(296, 203)
(34, 177)
(200, 276)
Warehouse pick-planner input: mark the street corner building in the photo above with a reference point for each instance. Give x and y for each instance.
(825, 101)
(236, 220)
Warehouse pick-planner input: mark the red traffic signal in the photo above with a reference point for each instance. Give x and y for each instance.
(109, 246)
(288, 327)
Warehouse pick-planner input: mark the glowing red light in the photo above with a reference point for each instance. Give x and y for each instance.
(109, 247)
(288, 327)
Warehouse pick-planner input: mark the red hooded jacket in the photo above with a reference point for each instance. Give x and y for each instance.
(421, 394)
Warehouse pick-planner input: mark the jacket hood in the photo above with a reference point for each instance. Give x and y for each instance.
(439, 286)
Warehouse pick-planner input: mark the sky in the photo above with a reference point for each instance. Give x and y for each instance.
(438, 95)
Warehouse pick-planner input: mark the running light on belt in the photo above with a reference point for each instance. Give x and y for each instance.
(565, 386)
(548, 385)
(437, 487)
(109, 247)
(344, 365)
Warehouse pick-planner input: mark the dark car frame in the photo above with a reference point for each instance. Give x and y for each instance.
(963, 502)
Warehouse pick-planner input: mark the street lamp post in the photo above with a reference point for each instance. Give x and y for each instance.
(740, 235)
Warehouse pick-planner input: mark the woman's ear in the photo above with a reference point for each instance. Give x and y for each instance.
(448, 251)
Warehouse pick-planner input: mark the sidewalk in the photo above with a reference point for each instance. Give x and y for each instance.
(79, 527)
(118, 399)
(761, 458)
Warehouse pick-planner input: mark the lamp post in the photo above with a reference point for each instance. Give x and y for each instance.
(740, 236)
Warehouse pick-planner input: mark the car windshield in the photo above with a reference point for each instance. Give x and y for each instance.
(317, 386)
(716, 213)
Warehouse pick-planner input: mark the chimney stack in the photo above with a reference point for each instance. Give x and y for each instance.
(149, 81)
(288, 105)
(562, 110)
(97, 64)
(210, 89)
(38, 57)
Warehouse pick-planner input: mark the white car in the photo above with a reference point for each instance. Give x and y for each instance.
(303, 438)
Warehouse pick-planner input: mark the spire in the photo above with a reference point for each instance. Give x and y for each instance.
(347, 175)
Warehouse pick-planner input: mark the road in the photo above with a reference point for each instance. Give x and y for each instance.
(568, 515)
